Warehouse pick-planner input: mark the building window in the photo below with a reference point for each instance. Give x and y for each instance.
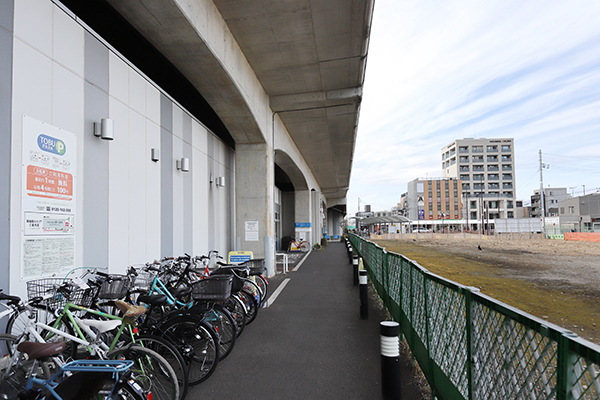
(477, 149)
(506, 148)
(473, 205)
(509, 204)
(466, 186)
(571, 209)
(473, 215)
(562, 210)
(492, 149)
(510, 214)
(477, 158)
(507, 177)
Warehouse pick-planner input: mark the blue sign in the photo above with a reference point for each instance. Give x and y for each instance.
(421, 214)
(302, 224)
(336, 236)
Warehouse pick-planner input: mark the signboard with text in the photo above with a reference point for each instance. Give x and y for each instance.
(48, 199)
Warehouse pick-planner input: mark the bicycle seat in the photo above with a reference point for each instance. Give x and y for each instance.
(129, 309)
(39, 350)
(102, 326)
(180, 292)
(153, 299)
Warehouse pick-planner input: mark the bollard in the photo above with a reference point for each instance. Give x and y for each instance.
(355, 268)
(390, 360)
(364, 299)
(350, 254)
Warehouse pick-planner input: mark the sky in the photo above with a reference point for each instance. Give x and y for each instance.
(440, 70)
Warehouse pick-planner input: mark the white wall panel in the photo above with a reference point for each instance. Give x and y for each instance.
(33, 23)
(199, 137)
(137, 188)
(178, 178)
(152, 103)
(137, 92)
(118, 188)
(32, 83)
(67, 100)
(200, 206)
(178, 125)
(68, 42)
(118, 78)
(152, 197)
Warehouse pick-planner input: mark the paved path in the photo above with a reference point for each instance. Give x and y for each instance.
(310, 343)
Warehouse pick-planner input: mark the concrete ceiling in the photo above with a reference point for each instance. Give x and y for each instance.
(308, 55)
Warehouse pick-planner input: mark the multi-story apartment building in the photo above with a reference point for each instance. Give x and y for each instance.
(552, 196)
(485, 166)
(430, 199)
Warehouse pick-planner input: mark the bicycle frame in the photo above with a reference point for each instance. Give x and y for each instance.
(79, 327)
(50, 384)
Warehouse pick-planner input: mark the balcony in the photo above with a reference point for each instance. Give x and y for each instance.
(493, 186)
(478, 177)
(464, 177)
(507, 186)
(492, 159)
(463, 160)
(506, 168)
(506, 149)
(464, 169)
(493, 177)
(464, 150)
(477, 149)
(506, 158)
(493, 168)
(493, 149)
(478, 168)
(477, 158)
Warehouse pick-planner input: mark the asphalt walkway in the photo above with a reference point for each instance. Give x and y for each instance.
(310, 343)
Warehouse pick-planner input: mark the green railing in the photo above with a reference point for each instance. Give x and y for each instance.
(471, 346)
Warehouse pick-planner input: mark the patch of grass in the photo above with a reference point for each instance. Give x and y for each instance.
(572, 309)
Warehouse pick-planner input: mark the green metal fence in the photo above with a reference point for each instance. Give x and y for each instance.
(471, 346)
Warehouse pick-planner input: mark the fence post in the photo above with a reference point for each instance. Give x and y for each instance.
(565, 363)
(391, 385)
(469, 327)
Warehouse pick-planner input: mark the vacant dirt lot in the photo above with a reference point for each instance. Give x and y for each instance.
(551, 279)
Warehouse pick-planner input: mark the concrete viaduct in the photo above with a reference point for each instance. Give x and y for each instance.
(262, 96)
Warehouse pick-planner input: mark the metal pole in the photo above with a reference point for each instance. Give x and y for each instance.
(542, 197)
(355, 268)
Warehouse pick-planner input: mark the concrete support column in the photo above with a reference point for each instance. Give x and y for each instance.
(302, 215)
(255, 215)
(317, 217)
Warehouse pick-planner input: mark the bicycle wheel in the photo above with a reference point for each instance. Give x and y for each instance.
(171, 354)
(238, 312)
(262, 283)
(196, 342)
(13, 368)
(251, 305)
(304, 246)
(252, 288)
(150, 370)
(19, 321)
(224, 325)
(72, 349)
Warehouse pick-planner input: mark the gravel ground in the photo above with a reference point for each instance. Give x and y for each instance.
(558, 262)
(561, 279)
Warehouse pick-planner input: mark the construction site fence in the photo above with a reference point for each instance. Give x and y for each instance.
(471, 346)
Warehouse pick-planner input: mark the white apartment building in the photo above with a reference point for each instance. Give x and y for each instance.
(486, 169)
(485, 166)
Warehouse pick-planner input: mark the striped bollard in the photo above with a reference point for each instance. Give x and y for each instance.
(355, 268)
(364, 300)
(390, 360)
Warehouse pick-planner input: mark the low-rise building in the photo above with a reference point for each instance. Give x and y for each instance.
(552, 196)
(432, 199)
(580, 214)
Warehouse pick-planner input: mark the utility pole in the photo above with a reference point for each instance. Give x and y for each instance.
(542, 196)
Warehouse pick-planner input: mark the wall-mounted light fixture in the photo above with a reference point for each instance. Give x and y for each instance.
(104, 129)
(155, 155)
(183, 164)
(212, 179)
(221, 181)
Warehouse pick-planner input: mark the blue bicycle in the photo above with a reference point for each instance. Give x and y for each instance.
(79, 379)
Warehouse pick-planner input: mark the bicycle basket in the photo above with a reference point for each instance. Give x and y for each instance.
(143, 280)
(55, 292)
(257, 266)
(216, 288)
(115, 287)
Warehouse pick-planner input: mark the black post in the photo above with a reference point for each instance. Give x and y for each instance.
(355, 268)
(390, 360)
(363, 290)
